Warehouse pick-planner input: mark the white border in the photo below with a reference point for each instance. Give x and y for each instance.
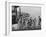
(9, 14)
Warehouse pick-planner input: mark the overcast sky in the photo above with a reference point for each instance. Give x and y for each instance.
(33, 11)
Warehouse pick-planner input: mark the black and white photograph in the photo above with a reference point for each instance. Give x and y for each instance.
(26, 18)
